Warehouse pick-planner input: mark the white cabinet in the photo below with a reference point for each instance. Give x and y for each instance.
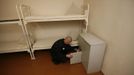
(93, 50)
(76, 57)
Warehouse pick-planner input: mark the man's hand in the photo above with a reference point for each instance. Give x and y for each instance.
(69, 55)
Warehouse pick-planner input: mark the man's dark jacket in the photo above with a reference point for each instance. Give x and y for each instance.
(59, 51)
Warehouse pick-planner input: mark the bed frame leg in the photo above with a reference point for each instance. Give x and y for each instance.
(32, 55)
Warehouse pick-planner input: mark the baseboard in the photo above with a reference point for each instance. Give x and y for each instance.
(97, 73)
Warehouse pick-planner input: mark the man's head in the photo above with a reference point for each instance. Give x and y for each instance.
(67, 40)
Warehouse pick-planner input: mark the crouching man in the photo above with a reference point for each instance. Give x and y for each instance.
(61, 50)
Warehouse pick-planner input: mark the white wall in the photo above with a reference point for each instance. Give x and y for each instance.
(113, 21)
(45, 7)
(41, 7)
(11, 33)
(8, 9)
(55, 29)
(41, 30)
(55, 7)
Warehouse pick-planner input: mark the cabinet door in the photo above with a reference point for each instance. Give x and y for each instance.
(85, 52)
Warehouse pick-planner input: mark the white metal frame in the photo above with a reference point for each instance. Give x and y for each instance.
(11, 48)
(25, 31)
(9, 22)
(24, 13)
(20, 22)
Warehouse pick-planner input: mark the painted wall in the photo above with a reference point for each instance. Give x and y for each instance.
(113, 21)
(55, 29)
(55, 7)
(10, 33)
(41, 7)
(45, 8)
(8, 9)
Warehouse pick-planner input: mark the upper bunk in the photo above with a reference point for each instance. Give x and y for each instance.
(54, 18)
(48, 11)
(12, 21)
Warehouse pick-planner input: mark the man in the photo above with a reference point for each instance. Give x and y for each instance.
(61, 49)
